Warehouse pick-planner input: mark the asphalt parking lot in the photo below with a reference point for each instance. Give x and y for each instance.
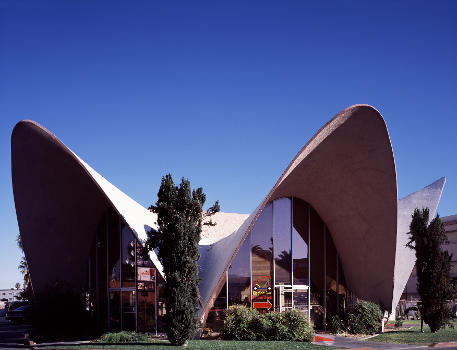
(12, 333)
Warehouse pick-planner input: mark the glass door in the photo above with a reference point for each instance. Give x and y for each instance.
(300, 299)
(283, 298)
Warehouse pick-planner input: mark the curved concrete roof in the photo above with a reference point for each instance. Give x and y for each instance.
(347, 173)
(59, 202)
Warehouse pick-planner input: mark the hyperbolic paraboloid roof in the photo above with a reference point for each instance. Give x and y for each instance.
(346, 172)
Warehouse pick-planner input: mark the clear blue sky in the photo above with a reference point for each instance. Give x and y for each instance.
(224, 92)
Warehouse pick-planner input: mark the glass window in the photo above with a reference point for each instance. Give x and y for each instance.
(341, 304)
(146, 311)
(239, 276)
(300, 242)
(317, 268)
(282, 241)
(262, 259)
(115, 311)
(114, 261)
(140, 260)
(301, 300)
(128, 310)
(215, 319)
(128, 257)
(330, 264)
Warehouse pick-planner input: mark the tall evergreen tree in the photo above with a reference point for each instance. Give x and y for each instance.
(179, 211)
(433, 266)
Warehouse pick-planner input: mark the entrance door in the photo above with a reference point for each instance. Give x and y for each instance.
(288, 298)
(283, 298)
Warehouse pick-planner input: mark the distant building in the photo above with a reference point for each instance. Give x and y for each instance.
(10, 294)
(450, 225)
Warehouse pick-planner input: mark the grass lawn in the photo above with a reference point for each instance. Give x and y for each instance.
(205, 344)
(414, 335)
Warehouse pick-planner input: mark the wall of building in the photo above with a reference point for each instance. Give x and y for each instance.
(10, 294)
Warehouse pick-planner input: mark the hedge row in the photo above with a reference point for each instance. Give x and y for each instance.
(242, 323)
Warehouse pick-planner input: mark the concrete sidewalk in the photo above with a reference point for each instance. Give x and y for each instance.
(351, 343)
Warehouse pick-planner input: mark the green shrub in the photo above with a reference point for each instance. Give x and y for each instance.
(238, 323)
(398, 323)
(363, 318)
(337, 324)
(242, 323)
(276, 330)
(124, 337)
(298, 326)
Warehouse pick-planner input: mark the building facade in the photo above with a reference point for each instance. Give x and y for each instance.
(10, 294)
(330, 231)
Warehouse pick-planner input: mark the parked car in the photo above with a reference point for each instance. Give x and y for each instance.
(20, 314)
(15, 304)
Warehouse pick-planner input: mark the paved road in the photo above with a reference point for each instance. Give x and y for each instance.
(11, 333)
(350, 343)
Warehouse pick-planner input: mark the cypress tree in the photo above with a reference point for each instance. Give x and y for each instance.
(433, 266)
(179, 211)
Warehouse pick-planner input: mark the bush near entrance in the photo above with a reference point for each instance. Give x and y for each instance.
(242, 323)
(361, 318)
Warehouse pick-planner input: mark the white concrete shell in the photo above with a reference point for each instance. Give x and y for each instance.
(405, 258)
(59, 203)
(347, 173)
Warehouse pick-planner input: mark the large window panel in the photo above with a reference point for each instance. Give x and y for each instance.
(114, 244)
(282, 241)
(262, 258)
(128, 310)
(331, 265)
(317, 268)
(239, 276)
(128, 257)
(300, 242)
(115, 311)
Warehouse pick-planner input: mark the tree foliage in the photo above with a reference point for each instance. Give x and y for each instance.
(23, 267)
(433, 266)
(179, 211)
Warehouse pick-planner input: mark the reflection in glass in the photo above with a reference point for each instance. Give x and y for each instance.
(140, 260)
(114, 263)
(215, 319)
(282, 240)
(301, 300)
(146, 311)
(317, 268)
(128, 257)
(262, 258)
(115, 311)
(283, 298)
(300, 242)
(239, 276)
(330, 264)
(128, 311)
